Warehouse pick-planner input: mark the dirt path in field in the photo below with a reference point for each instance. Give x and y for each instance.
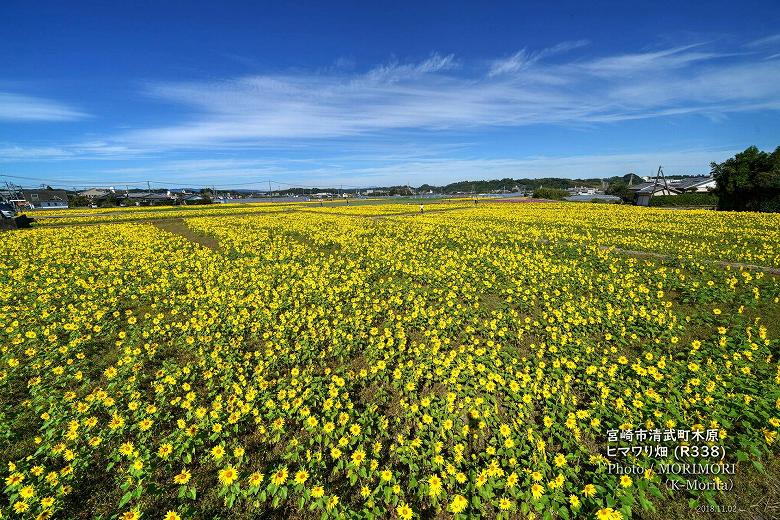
(646, 254)
(662, 256)
(179, 227)
(381, 216)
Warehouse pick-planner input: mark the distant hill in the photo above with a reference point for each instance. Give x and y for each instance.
(480, 186)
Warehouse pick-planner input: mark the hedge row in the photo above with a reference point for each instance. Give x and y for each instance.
(685, 199)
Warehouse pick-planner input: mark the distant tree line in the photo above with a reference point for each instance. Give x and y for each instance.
(618, 186)
(749, 181)
(510, 185)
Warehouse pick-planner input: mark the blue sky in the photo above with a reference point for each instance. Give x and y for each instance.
(378, 93)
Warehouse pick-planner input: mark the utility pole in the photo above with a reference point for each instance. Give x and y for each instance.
(658, 176)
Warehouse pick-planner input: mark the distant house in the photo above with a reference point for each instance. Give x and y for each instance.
(149, 198)
(584, 190)
(45, 199)
(96, 193)
(590, 197)
(644, 191)
(192, 198)
(694, 184)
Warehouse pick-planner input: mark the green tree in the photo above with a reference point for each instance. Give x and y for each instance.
(77, 201)
(749, 181)
(619, 188)
(550, 193)
(109, 202)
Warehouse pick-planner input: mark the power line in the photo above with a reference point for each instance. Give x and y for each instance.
(93, 182)
(190, 184)
(67, 181)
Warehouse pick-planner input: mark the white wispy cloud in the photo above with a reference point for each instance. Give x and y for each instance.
(664, 59)
(438, 94)
(524, 58)
(17, 107)
(382, 125)
(437, 63)
(395, 71)
(84, 150)
(17, 152)
(767, 40)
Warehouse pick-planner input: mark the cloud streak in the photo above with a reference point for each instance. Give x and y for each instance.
(414, 122)
(766, 41)
(524, 58)
(16, 107)
(439, 94)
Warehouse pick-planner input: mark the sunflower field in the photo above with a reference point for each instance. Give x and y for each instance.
(377, 362)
